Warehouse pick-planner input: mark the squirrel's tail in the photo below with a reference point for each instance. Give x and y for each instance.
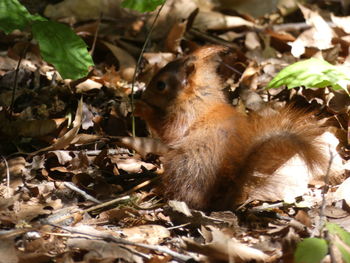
(287, 152)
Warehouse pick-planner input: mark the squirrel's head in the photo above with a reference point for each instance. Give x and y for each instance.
(181, 78)
(171, 80)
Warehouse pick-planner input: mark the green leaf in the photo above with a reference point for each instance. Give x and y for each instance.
(142, 5)
(344, 236)
(337, 230)
(344, 252)
(13, 16)
(61, 47)
(311, 250)
(311, 73)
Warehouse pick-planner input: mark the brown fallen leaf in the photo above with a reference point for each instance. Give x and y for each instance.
(29, 128)
(319, 36)
(223, 247)
(67, 139)
(126, 61)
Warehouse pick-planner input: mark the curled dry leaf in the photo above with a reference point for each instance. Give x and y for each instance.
(131, 165)
(223, 247)
(217, 21)
(88, 85)
(83, 138)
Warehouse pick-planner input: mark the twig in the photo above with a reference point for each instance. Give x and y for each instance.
(110, 238)
(71, 186)
(15, 84)
(137, 69)
(119, 199)
(213, 39)
(295, 26)
(96, 34)
(108, 203)
(325, 189)
(122, 198)
(323, 207)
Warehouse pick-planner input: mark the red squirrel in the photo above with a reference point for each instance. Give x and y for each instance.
(219, 157)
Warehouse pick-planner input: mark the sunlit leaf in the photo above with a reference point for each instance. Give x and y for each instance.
(311, 73)
(311, 250)
(344, 236)
(337, 230)
(13, 15)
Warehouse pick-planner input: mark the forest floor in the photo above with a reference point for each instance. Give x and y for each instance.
(70, 193)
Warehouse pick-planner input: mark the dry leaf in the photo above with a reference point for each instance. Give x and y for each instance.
(29, 128)
(319, 36)
(222, 247)
(98, 248)
(217, 21)
(127, 63)
(148, 234)
(343, 192)
(67, 139)
(88, 85)
(342, 22)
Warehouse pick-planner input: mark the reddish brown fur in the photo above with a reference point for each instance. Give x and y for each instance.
(214, 148)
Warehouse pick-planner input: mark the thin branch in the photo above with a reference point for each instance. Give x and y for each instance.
(322, 216)
(96, 34)
(111, 238)
(88, 197)
(15, 83)
(137, 68)
(125, 196)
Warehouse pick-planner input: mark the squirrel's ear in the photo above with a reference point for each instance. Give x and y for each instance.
(189, 65)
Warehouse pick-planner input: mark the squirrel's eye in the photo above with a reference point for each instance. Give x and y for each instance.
(160, 85)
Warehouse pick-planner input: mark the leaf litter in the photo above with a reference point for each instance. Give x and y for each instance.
(73, 191)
